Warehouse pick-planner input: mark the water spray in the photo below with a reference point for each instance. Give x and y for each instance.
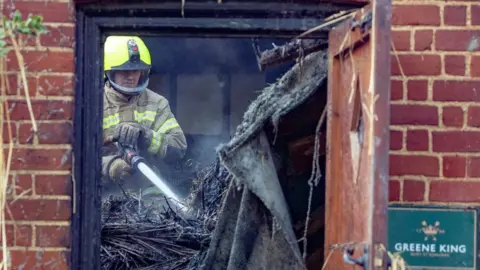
(138, 163)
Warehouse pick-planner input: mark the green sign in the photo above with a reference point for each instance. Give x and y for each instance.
(434, 238)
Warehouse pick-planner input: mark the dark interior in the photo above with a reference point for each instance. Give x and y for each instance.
(209, 83)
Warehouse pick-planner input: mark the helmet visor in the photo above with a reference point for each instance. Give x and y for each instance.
(127, 88)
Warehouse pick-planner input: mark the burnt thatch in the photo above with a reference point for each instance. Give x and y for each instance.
(138, 235)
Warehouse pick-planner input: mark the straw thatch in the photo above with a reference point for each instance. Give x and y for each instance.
(137, 235)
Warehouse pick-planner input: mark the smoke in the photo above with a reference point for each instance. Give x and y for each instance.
(209, 83)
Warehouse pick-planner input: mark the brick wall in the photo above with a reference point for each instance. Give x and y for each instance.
(434, 115)
(40, 190)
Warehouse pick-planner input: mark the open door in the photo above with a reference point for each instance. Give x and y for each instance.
(358, 140)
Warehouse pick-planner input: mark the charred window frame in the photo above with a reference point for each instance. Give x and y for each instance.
(282, 19)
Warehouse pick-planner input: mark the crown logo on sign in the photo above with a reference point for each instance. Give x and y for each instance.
(431, 231)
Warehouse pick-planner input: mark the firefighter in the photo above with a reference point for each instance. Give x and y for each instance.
(133, 114)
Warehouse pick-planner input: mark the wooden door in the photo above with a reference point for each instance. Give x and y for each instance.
(358, 137)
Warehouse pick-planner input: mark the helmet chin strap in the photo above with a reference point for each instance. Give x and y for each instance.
(127, 90)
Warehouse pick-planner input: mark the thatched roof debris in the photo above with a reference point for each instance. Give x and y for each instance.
(138, 235)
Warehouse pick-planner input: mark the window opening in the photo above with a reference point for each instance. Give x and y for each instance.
(209, 84)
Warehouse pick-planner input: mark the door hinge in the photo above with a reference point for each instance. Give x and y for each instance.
(363, 260)
(365, 23)
(360, 261)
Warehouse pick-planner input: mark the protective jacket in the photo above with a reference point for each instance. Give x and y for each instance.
(152, 111)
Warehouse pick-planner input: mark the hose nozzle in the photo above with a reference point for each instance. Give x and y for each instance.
(131, 157)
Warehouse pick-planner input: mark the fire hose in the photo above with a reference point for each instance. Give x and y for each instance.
(138, 163)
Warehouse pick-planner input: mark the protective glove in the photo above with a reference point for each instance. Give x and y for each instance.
(117, 169)
(133, 134)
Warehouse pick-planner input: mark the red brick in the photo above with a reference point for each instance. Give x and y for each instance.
(19, 235)
(456, 141)
(415, 15)
(417, 140)
(475, 15)
(475, 66)
(396, 89)
(23, 235)
(5, 133)
(455, 15)
(452, 116)
(456, 90)
(417, 90)
(27, 40)
(53, 185)
(473, 167)
(40, 210)
(58, 36)
(10, 232)
(454, 191)
(26, 133)
(473, 116)
(15, 85)
(402, 114)
(41, 159)
(455, 65)
(42, 110)
(401, 40)
(50, 11)
(456, 40)
(10, 89)
(413, 191)
(53, 236)
(43, 61)
(413, 165)
(454, 166)
(10, 186)
(423, 40)
(393, 191)
(23, 40)
(55, 133)
(23, 185)
(48, 133)
(39, 260)
(56, 85)
(417, 65)
(396, 140)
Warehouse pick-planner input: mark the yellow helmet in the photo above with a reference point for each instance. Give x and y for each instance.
(126, 53)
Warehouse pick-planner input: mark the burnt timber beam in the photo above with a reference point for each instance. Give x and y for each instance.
(290, 51)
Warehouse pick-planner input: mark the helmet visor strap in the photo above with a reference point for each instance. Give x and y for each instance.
(142, 82)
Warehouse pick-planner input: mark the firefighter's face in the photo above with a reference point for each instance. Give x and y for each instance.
(127, 78)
